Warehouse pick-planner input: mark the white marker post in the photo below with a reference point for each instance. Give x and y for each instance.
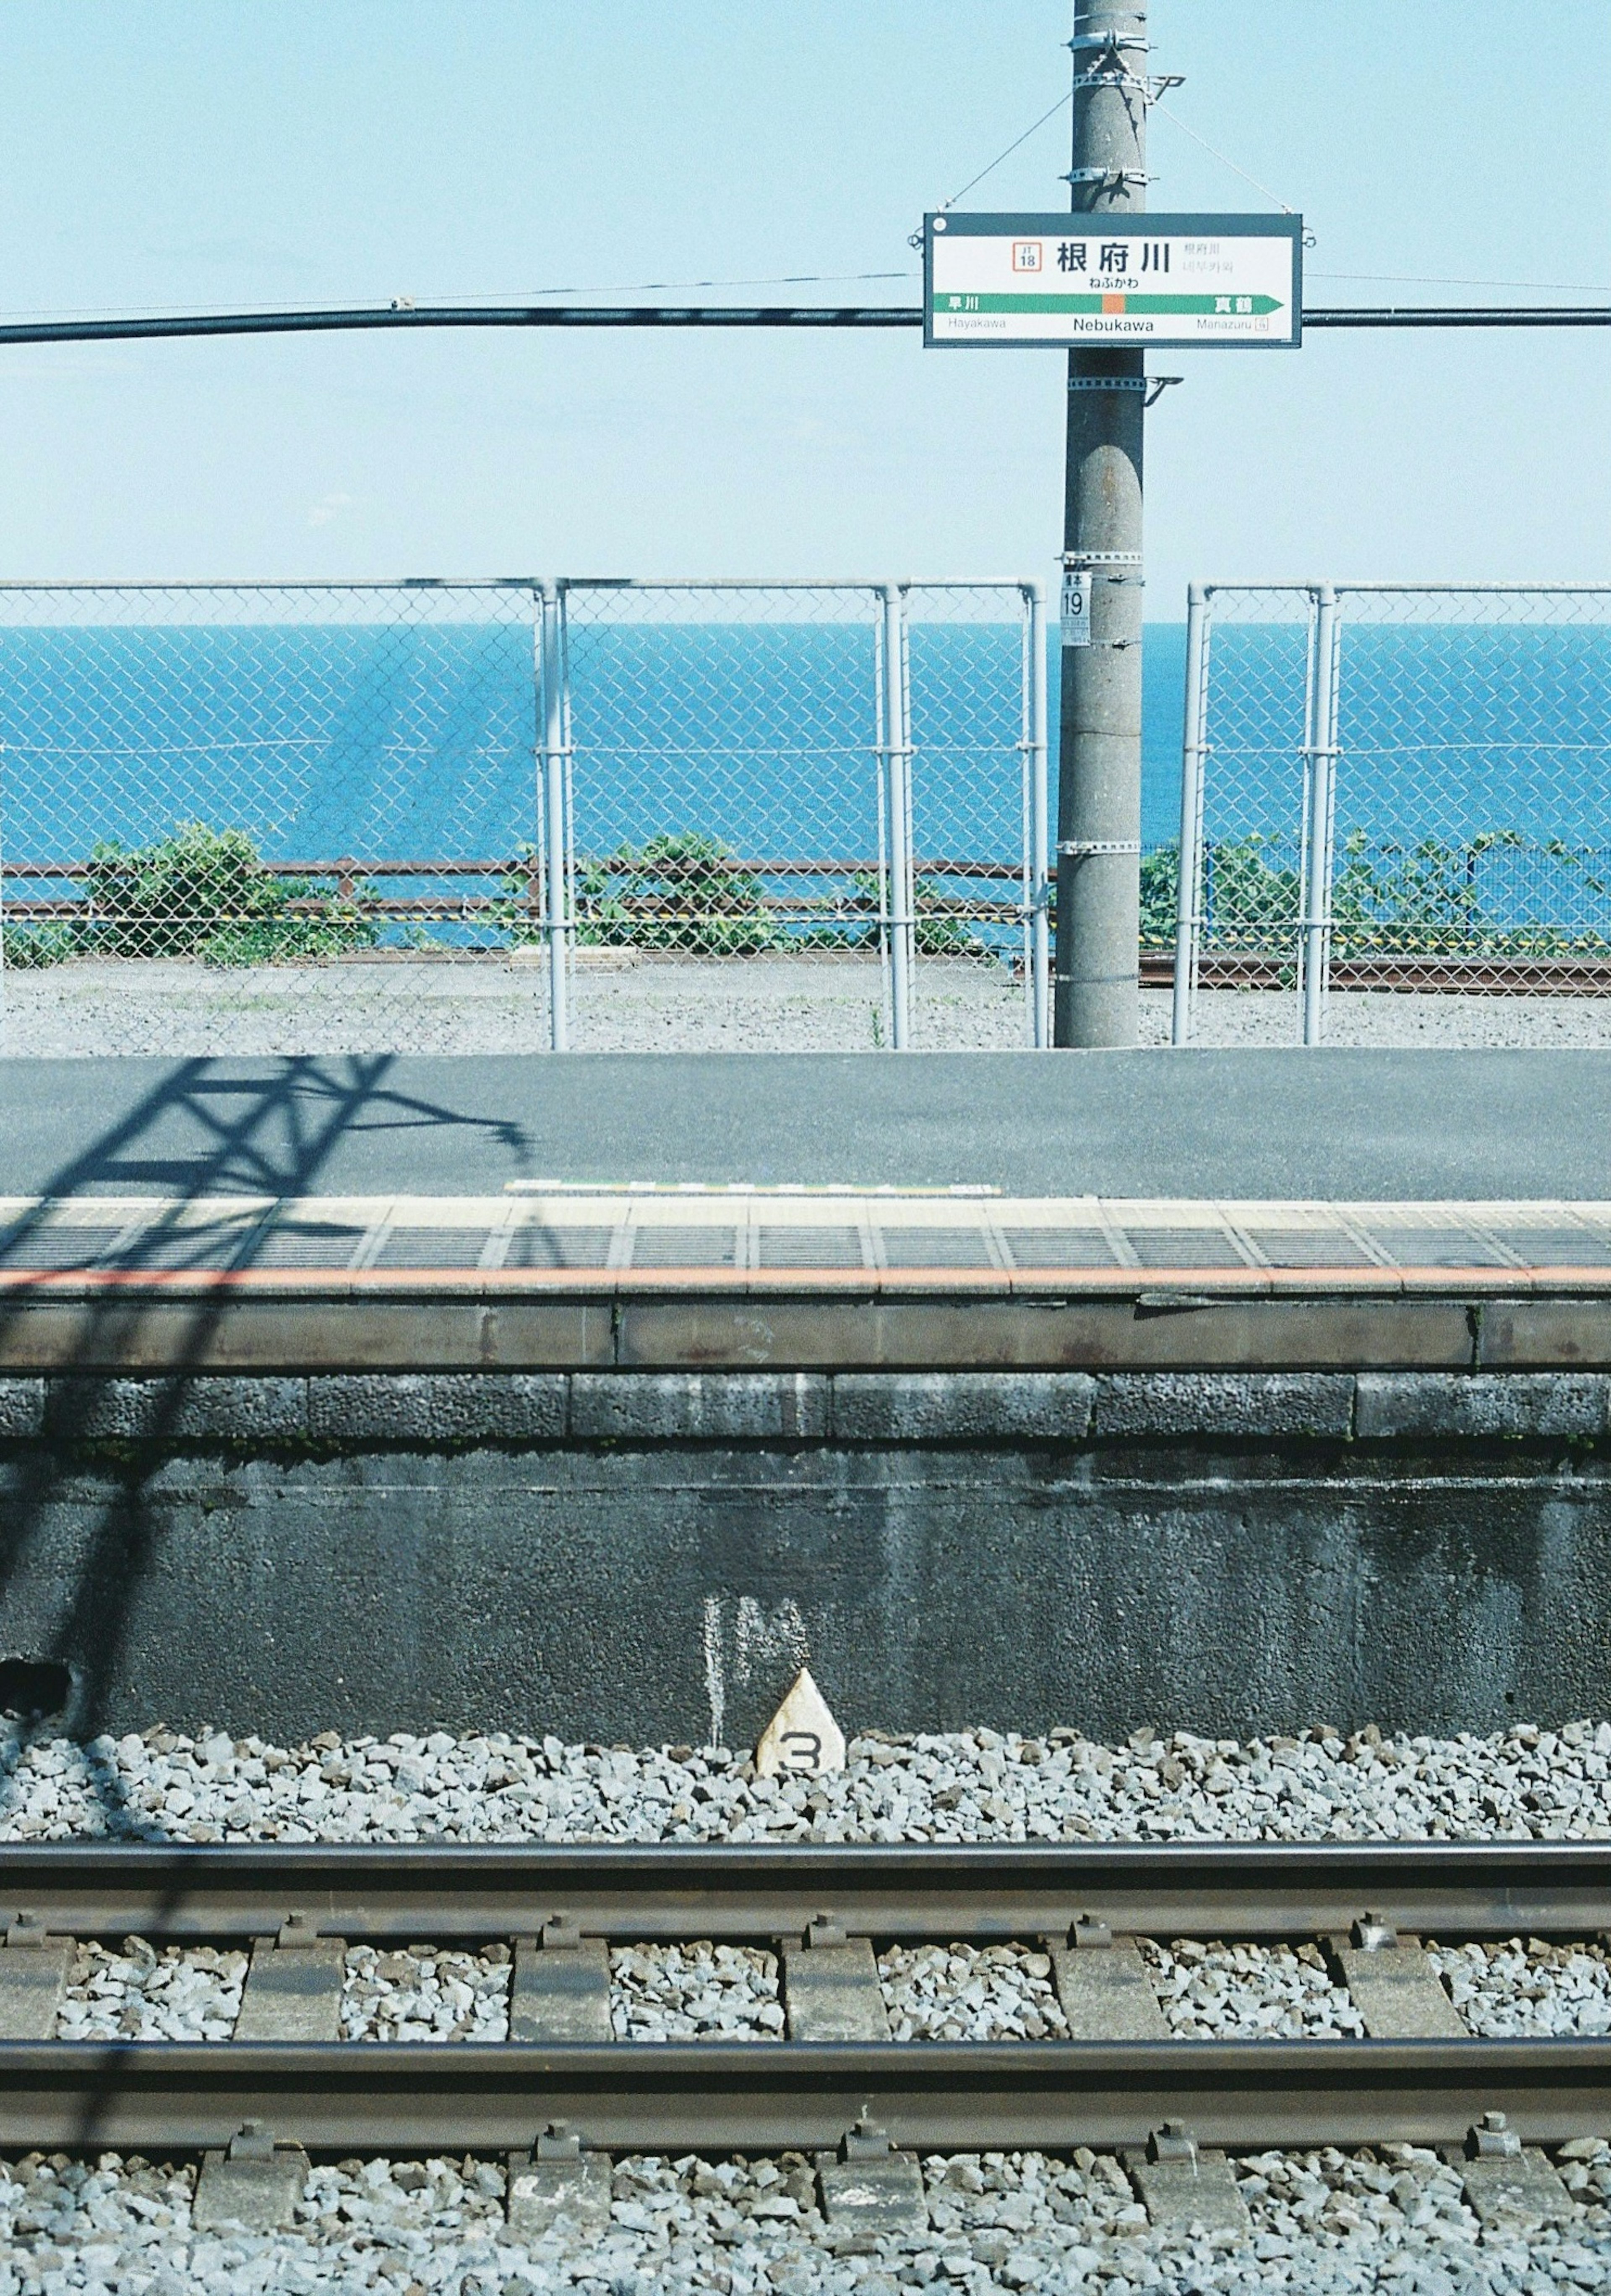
(802, 1738)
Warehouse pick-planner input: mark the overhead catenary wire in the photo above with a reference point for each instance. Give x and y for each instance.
(823, 317)
(524, 295)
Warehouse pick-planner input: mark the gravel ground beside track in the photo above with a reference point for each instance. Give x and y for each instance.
(805, 1004)
(976, 1785)
(1388, 2219)
(1370, 1017)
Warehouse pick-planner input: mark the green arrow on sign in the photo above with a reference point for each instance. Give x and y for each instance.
(1079, 306)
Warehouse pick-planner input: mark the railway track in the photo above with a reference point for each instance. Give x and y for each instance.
(836, 2084)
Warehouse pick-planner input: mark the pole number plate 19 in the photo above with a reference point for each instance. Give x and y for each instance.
(1076, 606)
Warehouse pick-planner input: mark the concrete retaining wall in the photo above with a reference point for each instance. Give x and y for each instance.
(636, 1556)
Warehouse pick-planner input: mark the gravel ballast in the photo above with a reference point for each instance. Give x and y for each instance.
(1390, 2218)
(699, 1992)
(424, 1994)
(973, 1785)
(1214, 1992)
(1321, 2222)
(146, 1992)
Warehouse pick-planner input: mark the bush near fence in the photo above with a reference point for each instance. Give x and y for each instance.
(1388, 899)
(199, 893)
(206, 894)
(1426, 899)
(687, 895)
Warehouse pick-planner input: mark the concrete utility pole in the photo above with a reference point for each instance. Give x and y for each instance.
(1099, 760)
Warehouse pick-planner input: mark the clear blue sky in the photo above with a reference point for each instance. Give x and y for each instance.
(162, 153)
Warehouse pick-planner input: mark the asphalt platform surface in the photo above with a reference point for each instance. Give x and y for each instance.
(1353, 1125)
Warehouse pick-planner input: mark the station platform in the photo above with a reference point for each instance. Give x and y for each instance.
(684, 1276)
(1235, 1392)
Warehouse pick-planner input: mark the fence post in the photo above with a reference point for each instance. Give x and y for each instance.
(898, 784)
(1189, 889)
(555, 839)
(5, 985)
(1039, 887)
(1322, 751)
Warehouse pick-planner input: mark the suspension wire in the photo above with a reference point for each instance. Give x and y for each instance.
(1225, 161)
(1065, 98)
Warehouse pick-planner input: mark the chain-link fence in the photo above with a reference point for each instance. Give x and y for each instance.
(844, 781)
(1395, 787)
(266, 817)
(451, 815)
(976, 726)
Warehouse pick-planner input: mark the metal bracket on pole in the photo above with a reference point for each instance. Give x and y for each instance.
(1157, 385)
(1108, 383)
(1101, 557)
(1119, 77)
(1079, 849)
(1082, 43)
(1121, 179)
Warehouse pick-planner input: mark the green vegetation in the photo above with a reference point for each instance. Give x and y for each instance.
(938, 932)
(205, 893)
(686, 892)
(676, 892)
(29, 949)
(1388, 899)
(1425, 900)
(1252, 900)
(199, 893)
(1160, 895)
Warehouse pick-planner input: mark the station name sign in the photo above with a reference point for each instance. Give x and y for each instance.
(1121, 281)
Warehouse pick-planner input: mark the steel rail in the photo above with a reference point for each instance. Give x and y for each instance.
(775, 2095)
(674, 1891)
(563, 316)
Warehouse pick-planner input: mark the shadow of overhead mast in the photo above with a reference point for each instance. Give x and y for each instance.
(270, 1131)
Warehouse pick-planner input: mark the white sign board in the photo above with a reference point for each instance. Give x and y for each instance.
(1117, 283)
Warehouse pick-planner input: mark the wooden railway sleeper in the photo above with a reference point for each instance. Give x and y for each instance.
(1505, 2179)
(1102, 1986)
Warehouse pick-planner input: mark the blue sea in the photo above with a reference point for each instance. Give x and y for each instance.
(393, 741)
(414, 740)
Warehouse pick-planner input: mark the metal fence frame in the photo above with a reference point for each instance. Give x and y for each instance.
(897, 913)
(552, 867)
(1319, 750)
